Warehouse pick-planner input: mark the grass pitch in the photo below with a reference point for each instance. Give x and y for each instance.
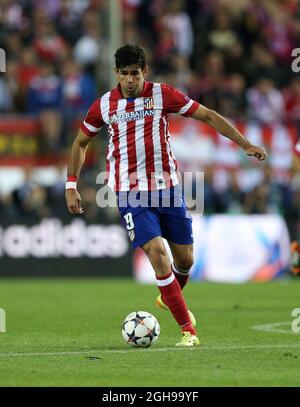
(68, 333)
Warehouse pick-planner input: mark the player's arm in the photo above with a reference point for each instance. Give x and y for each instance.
(76, 160)
(228, 130)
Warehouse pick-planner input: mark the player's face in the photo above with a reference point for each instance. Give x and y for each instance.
(131, 79)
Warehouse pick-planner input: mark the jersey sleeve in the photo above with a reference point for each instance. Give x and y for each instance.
(93, 120)
(177, 102)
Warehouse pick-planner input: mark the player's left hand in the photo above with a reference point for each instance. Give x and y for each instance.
(256, 151)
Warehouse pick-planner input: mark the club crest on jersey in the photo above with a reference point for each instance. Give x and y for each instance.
(131, 235)
(148, 103)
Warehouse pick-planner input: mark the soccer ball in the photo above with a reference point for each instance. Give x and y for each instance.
(140, 329)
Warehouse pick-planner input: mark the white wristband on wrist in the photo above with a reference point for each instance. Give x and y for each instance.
(71, 185)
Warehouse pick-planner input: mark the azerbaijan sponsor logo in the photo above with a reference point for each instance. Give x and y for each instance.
(130, 116)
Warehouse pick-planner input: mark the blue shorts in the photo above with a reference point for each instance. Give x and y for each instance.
(146, 215)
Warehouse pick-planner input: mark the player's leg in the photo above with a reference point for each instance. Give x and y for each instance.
(183, 260)
(183, 256)
(177, 229)
(144, 231)
(179, 233)
(170, 289)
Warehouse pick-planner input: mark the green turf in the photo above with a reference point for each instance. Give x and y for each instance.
(46, 317)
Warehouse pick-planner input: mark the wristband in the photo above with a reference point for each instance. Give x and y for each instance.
(71, 182)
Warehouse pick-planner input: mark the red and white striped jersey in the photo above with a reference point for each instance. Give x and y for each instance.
(139, 155)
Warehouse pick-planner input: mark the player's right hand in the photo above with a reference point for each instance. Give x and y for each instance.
(256, 151)
(73, 200)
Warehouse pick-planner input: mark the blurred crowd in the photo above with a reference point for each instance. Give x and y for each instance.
(232, 57)
(34, 199)
(52, 51)
(236, 60)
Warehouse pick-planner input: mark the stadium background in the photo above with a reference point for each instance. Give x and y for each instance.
(236, 60)
(234, 57)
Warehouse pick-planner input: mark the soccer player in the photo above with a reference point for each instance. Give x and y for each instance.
(139, 158)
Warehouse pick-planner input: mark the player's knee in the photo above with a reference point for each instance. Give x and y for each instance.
(157, 255)
(185, 263)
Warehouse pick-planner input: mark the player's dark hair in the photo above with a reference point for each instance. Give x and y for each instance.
(130, 54)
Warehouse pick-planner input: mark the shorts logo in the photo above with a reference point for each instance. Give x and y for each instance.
(130, 225)
(131, 235)
(148, 103)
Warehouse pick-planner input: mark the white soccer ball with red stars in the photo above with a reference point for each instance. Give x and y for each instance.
(140, 329)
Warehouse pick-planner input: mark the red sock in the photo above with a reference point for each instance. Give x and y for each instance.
(182, 278)
(172, 296)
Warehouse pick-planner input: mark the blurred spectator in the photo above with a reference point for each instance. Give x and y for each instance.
(211, 80)
(6, 100)
(48, 44)
(8, 212)
(179, 24)
(79, 91)
(131, 34)
(45, 90)
(88, 49)
(222, 36)
(279, 192)
(27, 71)
(174, 33)
(292, 103)
(49, 8)
(44, 100)
(265, 102)
(12, 14)
(269, 196)
(91, 210)
(179, 72)
(27, 68)
(56, 192)
(262, 64)
(256, 200)
(278, 31)
(12, 85)
(163, 49)
(30, 199)
(13, 45)
(235, 59)
(233, 99)
(232, 197)
(68, 19)
(212, 202)
(79, 88)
